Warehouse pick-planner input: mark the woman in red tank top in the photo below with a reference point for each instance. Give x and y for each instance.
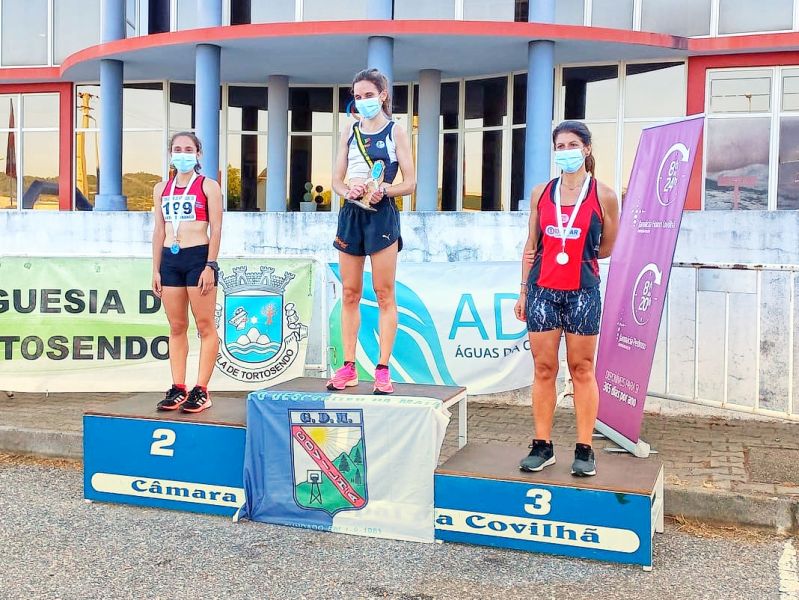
(573, 223)
(186, 239)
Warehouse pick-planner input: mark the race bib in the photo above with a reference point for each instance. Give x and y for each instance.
(179, 208)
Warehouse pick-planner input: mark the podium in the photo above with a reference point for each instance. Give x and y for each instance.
(481, 497)
(134, 454)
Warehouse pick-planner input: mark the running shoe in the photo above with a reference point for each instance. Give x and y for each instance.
(198, 401)
(584, 464)
(383, 382)
(345, 377)
(173, 399)
(542, 454)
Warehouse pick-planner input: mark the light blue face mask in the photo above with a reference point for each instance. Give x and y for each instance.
(184, 161)
(368, 107)
(569, 161)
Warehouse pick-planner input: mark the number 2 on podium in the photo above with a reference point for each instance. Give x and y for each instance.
(162, 442)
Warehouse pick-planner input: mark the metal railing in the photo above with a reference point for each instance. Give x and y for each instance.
(753, 354)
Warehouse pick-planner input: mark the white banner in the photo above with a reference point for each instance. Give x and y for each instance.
(456, 326)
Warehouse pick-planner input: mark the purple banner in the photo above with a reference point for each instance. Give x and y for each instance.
(640, 269)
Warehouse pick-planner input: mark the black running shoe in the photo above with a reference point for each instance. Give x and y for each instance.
(173, 399)
(198, 401)
(584, 464)
(542, 455)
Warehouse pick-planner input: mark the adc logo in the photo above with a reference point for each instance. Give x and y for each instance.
(259, 332)
(328, 459)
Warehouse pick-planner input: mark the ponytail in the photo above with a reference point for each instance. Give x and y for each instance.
(590, 164)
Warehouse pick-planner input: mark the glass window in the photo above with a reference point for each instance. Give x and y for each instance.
(131, 18)
(790, 90)
(311, 109)
(450, 104)
(247, 108)
(482, 173)
(271, 11)
(158, 16)
(24, 32)
(73, 16)
(612, 13)
(187, 14)
(143, 106)
(569, 12)
(489, 10)
(40, 164)
(737, 164)
(591, 92)
(655, 90)
(9, 108)
(333, 10)
(399, 106)
(788, 183)
(246, 172)
(87, 169)
(181, 106)
(520, 99)
(310, 167)
(87, 106)
(40, 110)
(448, 200)
(741, 16)
(486, 102)
(603, 147)
(518, 141)
(740, 91)
(678, 17)
(632, 135)
(424, 9)
(142, 166)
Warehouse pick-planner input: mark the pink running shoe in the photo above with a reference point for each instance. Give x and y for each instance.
(383, 382)
(345, 377)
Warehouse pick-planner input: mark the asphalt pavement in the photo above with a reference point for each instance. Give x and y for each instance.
(53, 544)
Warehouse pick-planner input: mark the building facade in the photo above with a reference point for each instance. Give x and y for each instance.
(91, 90)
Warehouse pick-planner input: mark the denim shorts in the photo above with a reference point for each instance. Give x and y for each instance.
(574, 311)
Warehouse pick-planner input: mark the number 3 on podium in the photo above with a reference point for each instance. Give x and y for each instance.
(162, 442)
(540, 502)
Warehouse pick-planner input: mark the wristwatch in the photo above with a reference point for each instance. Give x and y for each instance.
(213, 264)
(384, 191)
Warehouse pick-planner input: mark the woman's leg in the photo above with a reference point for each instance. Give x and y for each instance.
(202, 307)
(351, 268)
(544, 346)
(176, 303)
(384, 275)
(580, 351)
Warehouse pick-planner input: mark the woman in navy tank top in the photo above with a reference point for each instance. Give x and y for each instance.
(574, 220)
(370, 155)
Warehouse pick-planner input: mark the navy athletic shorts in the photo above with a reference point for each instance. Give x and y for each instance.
(574, 311)
(363, 232)
(184, 268)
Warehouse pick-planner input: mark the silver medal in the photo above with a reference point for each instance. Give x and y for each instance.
(562, 258)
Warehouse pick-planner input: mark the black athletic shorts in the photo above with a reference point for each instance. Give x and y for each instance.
(363, 232)
(184, 268)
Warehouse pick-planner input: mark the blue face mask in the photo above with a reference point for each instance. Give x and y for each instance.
(569, 161)
(368, 107)
(184, 162)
